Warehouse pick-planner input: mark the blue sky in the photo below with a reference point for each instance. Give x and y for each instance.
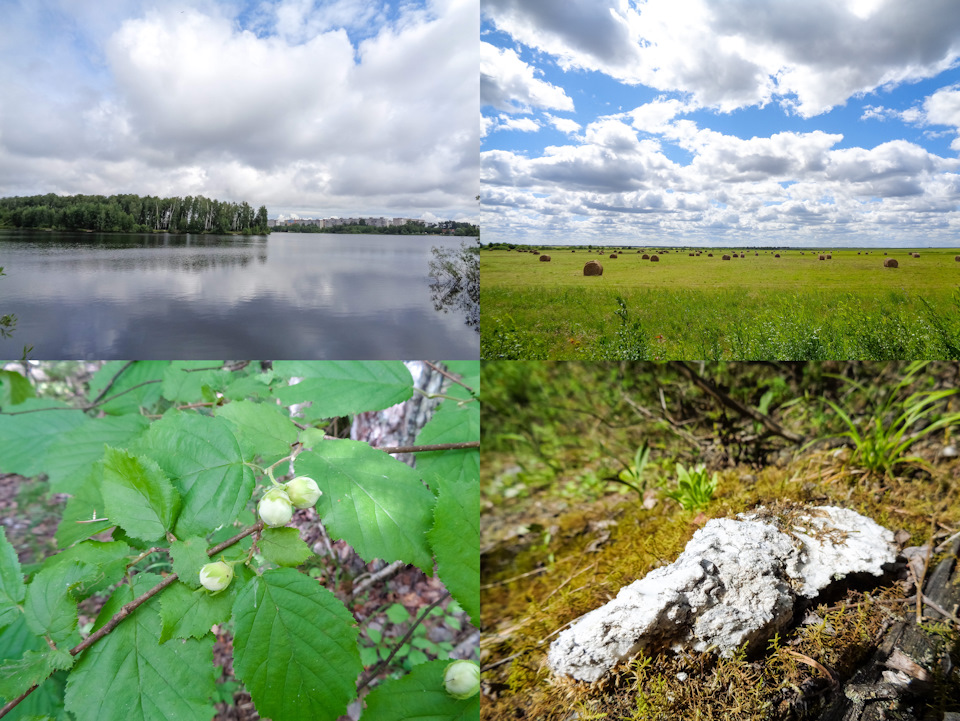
(697, 122)
(310, 107)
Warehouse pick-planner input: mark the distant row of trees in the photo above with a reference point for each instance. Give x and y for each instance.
(458, 228)
(132, 213)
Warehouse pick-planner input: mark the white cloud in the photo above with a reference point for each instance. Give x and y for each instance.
(524, 125)
(507, 83)
(564, 125)
(327, 106)
(810, 56)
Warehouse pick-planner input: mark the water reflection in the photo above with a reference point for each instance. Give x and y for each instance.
(303, 296)
(455, 281)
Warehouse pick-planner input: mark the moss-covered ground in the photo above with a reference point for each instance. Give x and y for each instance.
(561, 537)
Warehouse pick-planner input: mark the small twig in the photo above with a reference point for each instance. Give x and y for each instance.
(130, 607)
(113, 380)
(735, 405)
(386, 662)
(383, 573)
(448, 375)
(139, 558)
(812, 662)
(502, 661)
(434, 447)
(940, 609)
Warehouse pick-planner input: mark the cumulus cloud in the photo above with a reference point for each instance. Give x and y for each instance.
(339, 106)
(809, 56)
(507, 83)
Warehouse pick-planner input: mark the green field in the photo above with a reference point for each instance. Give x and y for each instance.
(760, 307)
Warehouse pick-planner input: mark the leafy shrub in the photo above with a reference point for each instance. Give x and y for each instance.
(171, 456)
(695, 488)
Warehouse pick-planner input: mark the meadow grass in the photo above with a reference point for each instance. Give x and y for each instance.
(795, 307)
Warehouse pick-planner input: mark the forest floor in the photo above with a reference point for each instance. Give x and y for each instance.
(562, 532)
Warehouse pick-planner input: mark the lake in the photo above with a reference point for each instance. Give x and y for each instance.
(298, 295)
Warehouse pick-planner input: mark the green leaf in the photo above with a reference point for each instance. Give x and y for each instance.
(469, 372)
(87, 499)
(30, 670)
(283, 546)
(202, 456)
(15, 641)
(250, 386)
(14, 389)
(50, 606)
(263, 429)
(109, 557)
(450, 424)
(141, 381)
(189, 556)
(139, 497)
(12, 589)
(187, 613)
(339, 388)
(130, 675)
(25, 437)
(419, 695)
(183, 381)
(372, 501)
(295, 647)
(71, 455)
(455, 537)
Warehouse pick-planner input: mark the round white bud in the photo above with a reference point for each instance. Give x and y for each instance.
(462, 679)
(302, 491)
(275, 508)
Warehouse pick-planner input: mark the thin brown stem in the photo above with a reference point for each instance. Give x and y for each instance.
(435, 447)
(113, 380)
(132, 606)
(448, 375)
(406, 637)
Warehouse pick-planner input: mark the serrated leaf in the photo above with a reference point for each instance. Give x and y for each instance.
(419, 695)
(186, 613)
(50, 606)
(31, 669)
(251, 386)
(183, 381)
(469, 375)
(70, 457)
(264, 430)
(451, 423)
(339, 388)
(455, 538)
(109, 557)
(130, 675)
(139, 497)
(12, 589)
(138, 386)
(189, 556)
(203, 457)
(372, 501)
(295, 647)
(283, 546)
(15, 641)
(25, 437)
(87, 499)
(14, 389)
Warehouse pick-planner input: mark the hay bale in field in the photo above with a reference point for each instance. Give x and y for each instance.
(613, 255)
(726, 257)
(690, 254)
(654, 259)
(536, 252)
(573, 251)
(777, 255)
(544, 257)
(957, 258)
(829, 256)
(709, 255)
(644, 257)
(915, 255)
(890, 263)
(592, 268)
(823, 257)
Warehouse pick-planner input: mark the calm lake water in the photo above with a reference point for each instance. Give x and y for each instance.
(84, 295)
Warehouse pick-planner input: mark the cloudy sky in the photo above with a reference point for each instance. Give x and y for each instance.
(823, 122)
(313, 107)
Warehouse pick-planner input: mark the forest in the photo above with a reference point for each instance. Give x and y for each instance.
(405, 229)
(130, 213)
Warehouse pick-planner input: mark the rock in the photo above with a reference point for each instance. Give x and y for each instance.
(949, 451)
(735, 583)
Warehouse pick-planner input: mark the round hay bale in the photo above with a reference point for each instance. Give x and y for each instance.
(890, 263)
(777, 255)
(957, 258)
(536, 252)
(709, 255)
(915, 255)
(592, 268)
(829, 256)
(573, 251)
(654, 259)
(544, 257)
(823, 257)
(690, 254)
(726, 257)
(644, 257)
(613, 255)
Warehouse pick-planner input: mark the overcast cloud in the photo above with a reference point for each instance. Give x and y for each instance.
(313, 107)
(687, 121)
